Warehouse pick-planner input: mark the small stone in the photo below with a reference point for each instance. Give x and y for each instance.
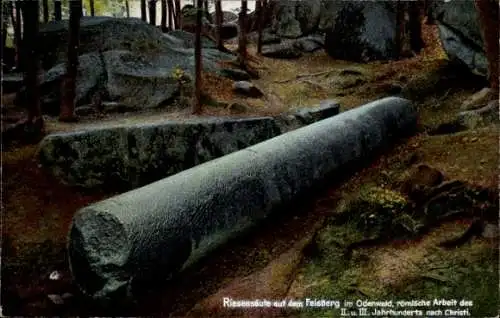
(55, 275)
(235, 74)
(285, 50)
(66, 296)
(247, 89)
(56, 299)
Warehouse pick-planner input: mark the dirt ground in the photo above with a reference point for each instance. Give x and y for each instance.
(37, 209)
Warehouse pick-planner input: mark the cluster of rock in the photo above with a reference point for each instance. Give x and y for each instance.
(366, 30)
(124, 62)
(129, 63)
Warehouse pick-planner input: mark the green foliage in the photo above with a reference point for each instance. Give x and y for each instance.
(180, 75)
(386, 198)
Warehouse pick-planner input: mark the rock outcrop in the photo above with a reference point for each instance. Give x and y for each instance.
(125, 61)
(460, 34)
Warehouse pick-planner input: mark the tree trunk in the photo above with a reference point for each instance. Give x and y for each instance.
(6, 13)
(18, 36)
(143, 10)
(171, 9)
(30, 40)
(242, 41)
(178, 14)
(152, 12)
(197, 56)
(45, 5)
(400, 21)
(428, 12)
(488, 21)
(92, 8)
(127, 8)
(57, 10)
(259, 10)
(205, 5)
(415, 27)
(69, 84)
(163, 22)
(218, 24)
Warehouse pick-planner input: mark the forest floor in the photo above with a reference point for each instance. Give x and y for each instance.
(273, 264)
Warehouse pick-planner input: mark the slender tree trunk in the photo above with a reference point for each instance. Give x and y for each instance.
(400, 21)
(259, 10)
(197, 55)
(92, 8)
(428, 12)
(218, 24)
(45, 5)
(6, 14)
(178, 14)
(69, 84)
(488, 13)
(170, 5)
(242, 41)
(127, 8)
(143, 10)
(57, 10)
(415, 27)
(18, 35)
(30, 39)
(152, 12)
(205, 5)
(163, 22)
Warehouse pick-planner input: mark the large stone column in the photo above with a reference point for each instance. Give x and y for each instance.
(155, 231)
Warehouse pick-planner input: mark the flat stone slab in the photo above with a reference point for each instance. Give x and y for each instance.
(128, 156)
(152, 233)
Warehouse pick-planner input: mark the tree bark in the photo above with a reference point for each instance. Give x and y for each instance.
(143, 10)
(488, 13)
(218, 24)
(152, 12)
(45, 5)
(428, 12)
(242, 41)
(259, 10)
(163, 22)
(170, 5)
(92, 8)
(57, 10)
(400, 21)
(127, 8)
(67, 113)
(205, 5)
(18, 35)
(6, 13)
(415, 27)
(197, 55)
(30, 40)
(178, 14)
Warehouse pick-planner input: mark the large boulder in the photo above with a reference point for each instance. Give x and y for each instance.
(361, 30)
(460, 34)
(126, 61)
(292, 19)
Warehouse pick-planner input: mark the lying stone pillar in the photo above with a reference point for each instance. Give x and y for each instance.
(159, 229)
